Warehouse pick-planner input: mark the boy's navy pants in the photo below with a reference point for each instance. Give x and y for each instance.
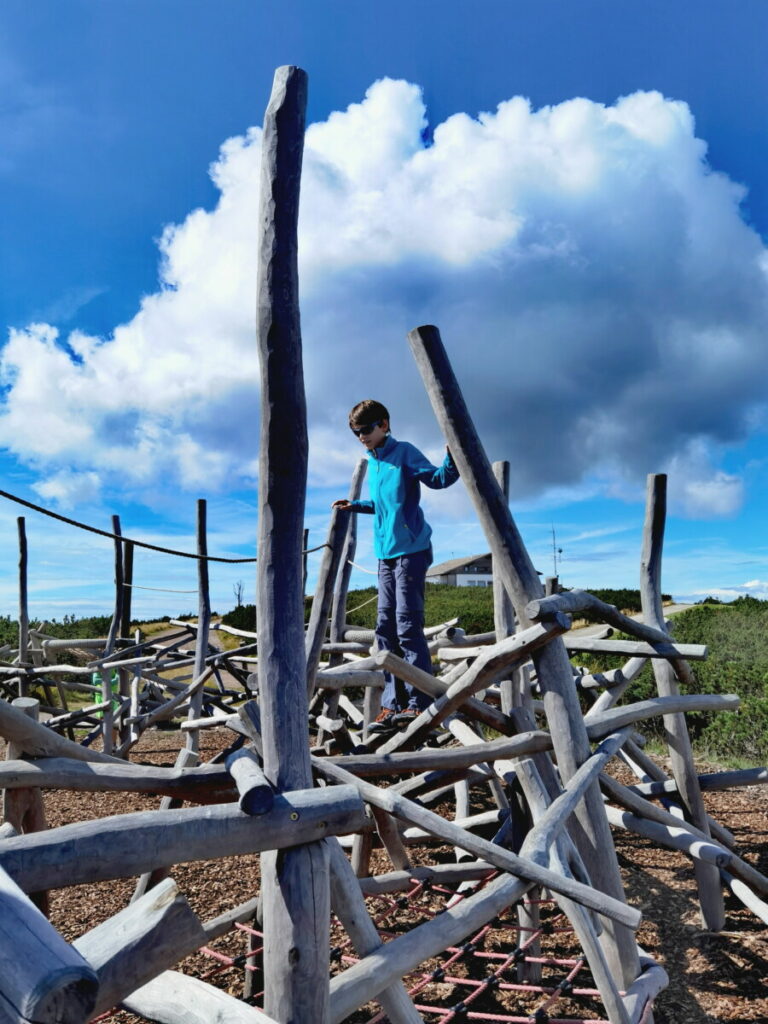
(400, 624)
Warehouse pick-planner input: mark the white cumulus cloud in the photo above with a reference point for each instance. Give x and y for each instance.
(601, 297)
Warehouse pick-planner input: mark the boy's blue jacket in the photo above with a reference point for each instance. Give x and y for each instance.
(395, 472)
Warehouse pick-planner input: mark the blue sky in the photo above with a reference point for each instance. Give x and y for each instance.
(573, 192)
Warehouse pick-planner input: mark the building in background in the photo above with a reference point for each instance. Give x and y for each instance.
(471, 571)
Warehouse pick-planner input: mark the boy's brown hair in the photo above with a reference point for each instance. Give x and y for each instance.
(367, 411)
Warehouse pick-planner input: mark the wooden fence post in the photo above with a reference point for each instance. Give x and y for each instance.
(23, 607)
(680, 753)
(23, 808)
(339, 608)
(590, 831)
(295, 882)
(339, 604)
(124, 629)
(108, 718)
(203, 621)
(321, 603)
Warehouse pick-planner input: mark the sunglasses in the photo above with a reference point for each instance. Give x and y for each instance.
(367, 428)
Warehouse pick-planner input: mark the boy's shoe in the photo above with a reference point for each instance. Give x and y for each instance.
(404, 718)
(384, 721)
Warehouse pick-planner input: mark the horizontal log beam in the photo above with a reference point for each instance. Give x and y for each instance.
(712, 781)
(666, 835)
(144, 939)
(206, 784)
(407, 810)
(174, 998)
(132, 844)
(636, 648)
(401, 763)
(616, 718)
(42, 978)
(440, 874)
(38, 741)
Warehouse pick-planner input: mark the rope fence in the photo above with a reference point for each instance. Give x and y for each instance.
(137, 543)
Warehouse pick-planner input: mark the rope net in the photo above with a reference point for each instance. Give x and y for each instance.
(506, 972)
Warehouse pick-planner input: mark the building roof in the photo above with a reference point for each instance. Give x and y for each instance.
(453, 564)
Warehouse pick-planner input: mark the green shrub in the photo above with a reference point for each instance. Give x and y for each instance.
(242, 617)
(472, 605)
(627, 601)
(741, 734)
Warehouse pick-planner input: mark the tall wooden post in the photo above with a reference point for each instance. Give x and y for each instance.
(339, 604)
(503, 612)
(125, 621)
(321, 603)
(203, 619)
(339, 608)
(107, 721)
(305, 545)
(590, 831)
(123, 631)
(680, 753)
(23, 808)
(23, 606)
(295, 882)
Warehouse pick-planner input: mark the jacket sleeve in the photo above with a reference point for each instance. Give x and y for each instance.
(362, 506)
(420, 468)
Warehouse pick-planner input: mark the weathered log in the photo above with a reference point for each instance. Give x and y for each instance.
(441, 874)
(341, 589)
(203, 622)
(600, 680)
(23, 604)
(185, 758)
(296, 885)
(590, 830)
(503, 612)
(130, 844)
(349, 906)
(646, 768)
(125, 619)
(742, 892)
(387, 964)
(328, 680)
(167, 710)
(616, 718)
(573, 601)
(486, 669)
(564, 857)
(637, 648)
(666, 835)
(367, 636)
(377, 764)
(256, 794)
(626, 797)
(644, 989)
(206, 784)
(408, 811)
(42, 978)
(711, 782)
(141, 941)
(321, 603)
(23, 808)
(345, 647)
(174, 998)
(679, 743)
(436, 687)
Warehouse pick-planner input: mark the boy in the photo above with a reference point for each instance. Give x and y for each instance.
(402, 545)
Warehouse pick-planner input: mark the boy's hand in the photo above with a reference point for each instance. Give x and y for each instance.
(342, 504)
